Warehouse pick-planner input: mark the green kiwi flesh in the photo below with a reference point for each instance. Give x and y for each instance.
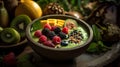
(20, 23)
(10, 35)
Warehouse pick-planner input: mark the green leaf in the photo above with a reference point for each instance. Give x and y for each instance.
(36, 25)
(93, 48)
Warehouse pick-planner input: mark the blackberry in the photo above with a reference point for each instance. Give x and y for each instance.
(62, 35)
(57, 30)
(46, 32)
(51, 34)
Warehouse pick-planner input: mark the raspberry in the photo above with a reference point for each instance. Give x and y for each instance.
(37, 33)
(42, 38)
(48, 43)
(53, 27)
(47, 26)
(56, 40)
(65, 30)
(10, 60)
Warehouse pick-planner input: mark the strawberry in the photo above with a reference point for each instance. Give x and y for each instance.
(38, 33)
(47, 26)
(49, 43)
(42, 38)
(65, 30)
(56, 40)
(9, 60)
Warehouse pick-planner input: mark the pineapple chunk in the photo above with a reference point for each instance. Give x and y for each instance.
(52, 22)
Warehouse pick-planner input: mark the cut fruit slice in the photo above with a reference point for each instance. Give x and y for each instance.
(20, 23)
(10, 35)
(52, 22)
(71, 24)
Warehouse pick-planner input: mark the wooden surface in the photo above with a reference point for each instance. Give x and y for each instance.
(84, 60)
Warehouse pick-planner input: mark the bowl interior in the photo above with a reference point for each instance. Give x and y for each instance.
(35, 25)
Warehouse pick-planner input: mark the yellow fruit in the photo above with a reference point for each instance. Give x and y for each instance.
(30, 8)
(52, 22)
(43, 22)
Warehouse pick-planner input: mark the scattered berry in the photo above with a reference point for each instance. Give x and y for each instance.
(53, 27)
(48, 43)
(62, 35)
(65, 30)
(57, 30)
(51, 34)
(47, 26)
(42, 38)
(9, 59)
(38, 33)
(45, 32)
(56, 40)
(64, 43)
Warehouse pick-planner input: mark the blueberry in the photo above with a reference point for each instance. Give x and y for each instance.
(64, 43)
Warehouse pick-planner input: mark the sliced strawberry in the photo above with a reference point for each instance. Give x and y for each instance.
(65, 30)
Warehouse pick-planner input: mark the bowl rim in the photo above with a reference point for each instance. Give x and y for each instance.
(14, 45)
(28, 35)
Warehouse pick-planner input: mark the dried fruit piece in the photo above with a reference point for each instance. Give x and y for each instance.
(56, 40)
(65, 30)
(38, 33)
(42, 38)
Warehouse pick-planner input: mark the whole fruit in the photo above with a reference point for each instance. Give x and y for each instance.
(10, 35)
(42, 38)
(30, 8)
(3, 15)
(56, 40)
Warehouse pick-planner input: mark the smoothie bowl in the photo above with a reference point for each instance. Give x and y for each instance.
(59, 37)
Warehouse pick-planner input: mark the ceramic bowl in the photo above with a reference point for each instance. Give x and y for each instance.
(16, 48)
(54, 53)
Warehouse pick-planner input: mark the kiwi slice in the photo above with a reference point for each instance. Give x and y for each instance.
(20, 23)
(71, 24)
(10, 35)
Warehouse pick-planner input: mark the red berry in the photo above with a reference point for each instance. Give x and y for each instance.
(42, 38)
(56, 40)
(53, 27)
(47, 26)
(38, 33)
(9, 59)
(49, 43)
(65, 30)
